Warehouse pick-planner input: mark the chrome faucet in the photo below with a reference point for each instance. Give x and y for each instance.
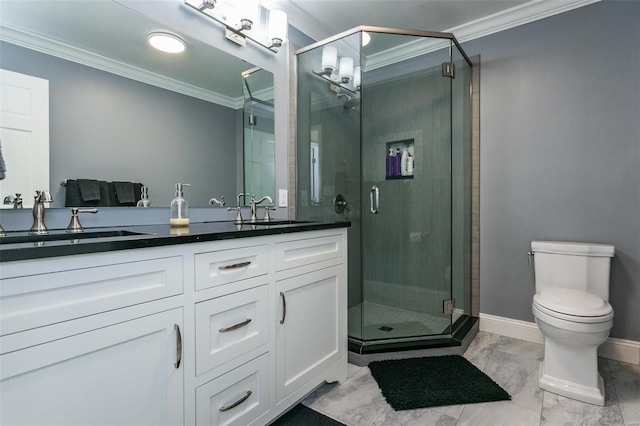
(254, 203)
(214, 201)
(38, 227)
(15, 201)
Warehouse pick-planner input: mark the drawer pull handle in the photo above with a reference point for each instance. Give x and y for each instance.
(234, 266)
(176, 327)
(235, 404)
(235, 327)
(284, 308)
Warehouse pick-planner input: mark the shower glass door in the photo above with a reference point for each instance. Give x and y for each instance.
(405, 188)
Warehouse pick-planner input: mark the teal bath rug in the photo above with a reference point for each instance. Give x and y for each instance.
(413, 383)
(301, 415)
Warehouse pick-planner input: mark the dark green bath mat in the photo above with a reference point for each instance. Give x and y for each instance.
(301, 415)
(413, 383)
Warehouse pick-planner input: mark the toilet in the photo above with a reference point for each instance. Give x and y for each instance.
(572, 311)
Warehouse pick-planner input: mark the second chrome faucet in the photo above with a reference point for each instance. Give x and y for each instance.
(253, 203)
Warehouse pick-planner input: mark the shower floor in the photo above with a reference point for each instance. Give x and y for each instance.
(388, 322)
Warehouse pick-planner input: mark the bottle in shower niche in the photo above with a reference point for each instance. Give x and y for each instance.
(144, 197)
(179, 208)
(391, 162)
(403, 162)
(398, 163)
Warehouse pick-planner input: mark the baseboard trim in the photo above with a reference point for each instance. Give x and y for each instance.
(617, 349)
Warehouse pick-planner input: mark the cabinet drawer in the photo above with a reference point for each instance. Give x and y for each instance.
(37, 300)
(236, 398)
(292, 254)
(221, 267)
(229, 326)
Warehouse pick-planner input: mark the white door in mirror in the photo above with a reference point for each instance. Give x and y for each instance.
(25, 135)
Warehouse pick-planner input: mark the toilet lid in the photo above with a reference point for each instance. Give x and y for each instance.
(572, 302)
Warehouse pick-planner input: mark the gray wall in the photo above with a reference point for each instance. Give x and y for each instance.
(560, 151)
(107, 127)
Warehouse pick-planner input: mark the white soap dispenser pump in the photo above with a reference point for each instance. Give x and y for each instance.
(179, 208)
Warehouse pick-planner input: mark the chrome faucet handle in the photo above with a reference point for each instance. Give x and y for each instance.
(38, 227)
(215, 201)
(74, 224)
(2, 233)
(267, 216)
(238, 220)
(17, 201)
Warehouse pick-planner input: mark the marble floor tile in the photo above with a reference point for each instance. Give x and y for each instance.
(511, 363)
(480, 349)
(558, 410)
(517, 375)
(427, 416)
(626, 381)
(501, 413)
(356, 402)
(521, 348)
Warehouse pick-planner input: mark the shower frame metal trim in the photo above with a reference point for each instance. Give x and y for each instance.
(386, 30)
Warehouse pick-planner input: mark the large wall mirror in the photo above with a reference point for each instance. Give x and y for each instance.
(121, 111)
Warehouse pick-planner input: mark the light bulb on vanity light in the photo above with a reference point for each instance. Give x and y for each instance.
(277, 27)
(345, 70)
(329, 59)
(248, 13)
(357, 77)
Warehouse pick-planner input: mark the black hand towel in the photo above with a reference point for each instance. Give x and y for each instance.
(89, 189)
(124, 192)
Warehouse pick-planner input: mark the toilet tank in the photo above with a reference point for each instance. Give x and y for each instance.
(577, 266)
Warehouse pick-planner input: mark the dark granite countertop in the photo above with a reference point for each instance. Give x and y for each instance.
(97, 240)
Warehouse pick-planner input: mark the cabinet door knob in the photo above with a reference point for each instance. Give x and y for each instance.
(176, 327)
(284, 307)
(235, 404)
(234, 266)
(235, 327)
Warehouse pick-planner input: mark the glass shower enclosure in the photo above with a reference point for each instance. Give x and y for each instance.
(384, 141)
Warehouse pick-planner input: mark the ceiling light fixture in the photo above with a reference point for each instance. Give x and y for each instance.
(241, 20)
(166, 42)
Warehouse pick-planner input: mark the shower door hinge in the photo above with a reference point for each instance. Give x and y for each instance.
(448, 305)
(448, 69)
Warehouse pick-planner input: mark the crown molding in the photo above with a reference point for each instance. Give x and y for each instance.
(510, 18)
(514, 17)
(84, 57)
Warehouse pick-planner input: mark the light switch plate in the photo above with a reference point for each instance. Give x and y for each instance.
(283, 197)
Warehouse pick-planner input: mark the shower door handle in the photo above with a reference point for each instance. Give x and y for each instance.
(374, 196)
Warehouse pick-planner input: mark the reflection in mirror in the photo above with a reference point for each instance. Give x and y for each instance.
(120, 111)
(259, 164)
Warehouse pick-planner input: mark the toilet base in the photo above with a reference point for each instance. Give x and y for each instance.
(579, 392)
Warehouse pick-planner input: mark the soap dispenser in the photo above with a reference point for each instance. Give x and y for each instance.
(144, 198)
(179, 208)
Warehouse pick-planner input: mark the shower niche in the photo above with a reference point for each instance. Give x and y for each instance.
(361, 96)
(400, 160)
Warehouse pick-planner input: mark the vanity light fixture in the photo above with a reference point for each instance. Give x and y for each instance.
(241, 20)
(166, 42)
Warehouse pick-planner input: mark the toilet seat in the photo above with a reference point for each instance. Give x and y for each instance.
(573, 305)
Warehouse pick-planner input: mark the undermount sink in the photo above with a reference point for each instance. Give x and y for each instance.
(276, 222)
(21, 237)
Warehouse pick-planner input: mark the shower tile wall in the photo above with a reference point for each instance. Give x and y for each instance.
(415, 106)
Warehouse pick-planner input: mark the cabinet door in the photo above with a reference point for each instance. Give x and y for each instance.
(310, 335)
(124, 374)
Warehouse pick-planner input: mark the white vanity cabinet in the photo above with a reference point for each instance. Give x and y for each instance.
(68, 358)
(194, 334)
(311, 330)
